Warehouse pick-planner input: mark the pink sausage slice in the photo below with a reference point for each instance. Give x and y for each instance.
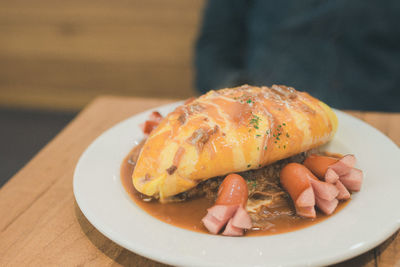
(222, 212)
(229, 208)
(212, 224)
(324, 190)
(326, 206)
(343, 192)
(306, 198)
(352, 180)
(308, 212)
(331, 176)
(241, 219)
(231, 230)
(344, 165)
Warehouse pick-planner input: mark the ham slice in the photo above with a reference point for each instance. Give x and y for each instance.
(352, 180)
(326, 206)
(343, 192)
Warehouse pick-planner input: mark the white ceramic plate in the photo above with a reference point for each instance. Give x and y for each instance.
(370, 218)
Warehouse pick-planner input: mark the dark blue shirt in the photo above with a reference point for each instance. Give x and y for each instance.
(344, 52)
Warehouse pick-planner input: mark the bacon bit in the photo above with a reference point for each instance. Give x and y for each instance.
(154, 119)
(156, 116)
(171, 169)
(148, 126)
(201, 136)
(182, 118)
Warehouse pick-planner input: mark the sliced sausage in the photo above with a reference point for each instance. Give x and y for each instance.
(331, 176)
(222, 212)
(324, 190)
(231, 230)
(306, 198)
(229, 209)
(344, 165)
(343, 192)
(308, 212)
(295, 179)
(318, 164)
(326, 206)
(241, 219)
(352, 180)
(232, 191)
(212, 224)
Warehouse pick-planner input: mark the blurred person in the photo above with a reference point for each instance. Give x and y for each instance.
(346, 53)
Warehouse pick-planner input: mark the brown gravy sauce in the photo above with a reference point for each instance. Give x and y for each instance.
(188, 214)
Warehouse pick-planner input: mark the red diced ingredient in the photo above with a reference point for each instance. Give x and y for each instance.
(156, 116)
(148, 126)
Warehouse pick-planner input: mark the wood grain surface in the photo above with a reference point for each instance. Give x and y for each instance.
(41, 224)
(58, 54)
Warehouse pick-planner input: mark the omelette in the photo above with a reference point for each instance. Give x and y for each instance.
(227, 131)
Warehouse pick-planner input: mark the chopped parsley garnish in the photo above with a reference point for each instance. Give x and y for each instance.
(278, 133)
(255, 121)
(265, 148)
(248, 101)
(248, 166)
(258, 135)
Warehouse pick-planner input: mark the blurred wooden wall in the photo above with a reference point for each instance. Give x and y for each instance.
(61, 54)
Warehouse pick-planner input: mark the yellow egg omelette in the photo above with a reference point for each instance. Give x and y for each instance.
(230, 130)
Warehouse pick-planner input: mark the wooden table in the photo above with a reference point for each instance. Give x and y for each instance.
(41, 224)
